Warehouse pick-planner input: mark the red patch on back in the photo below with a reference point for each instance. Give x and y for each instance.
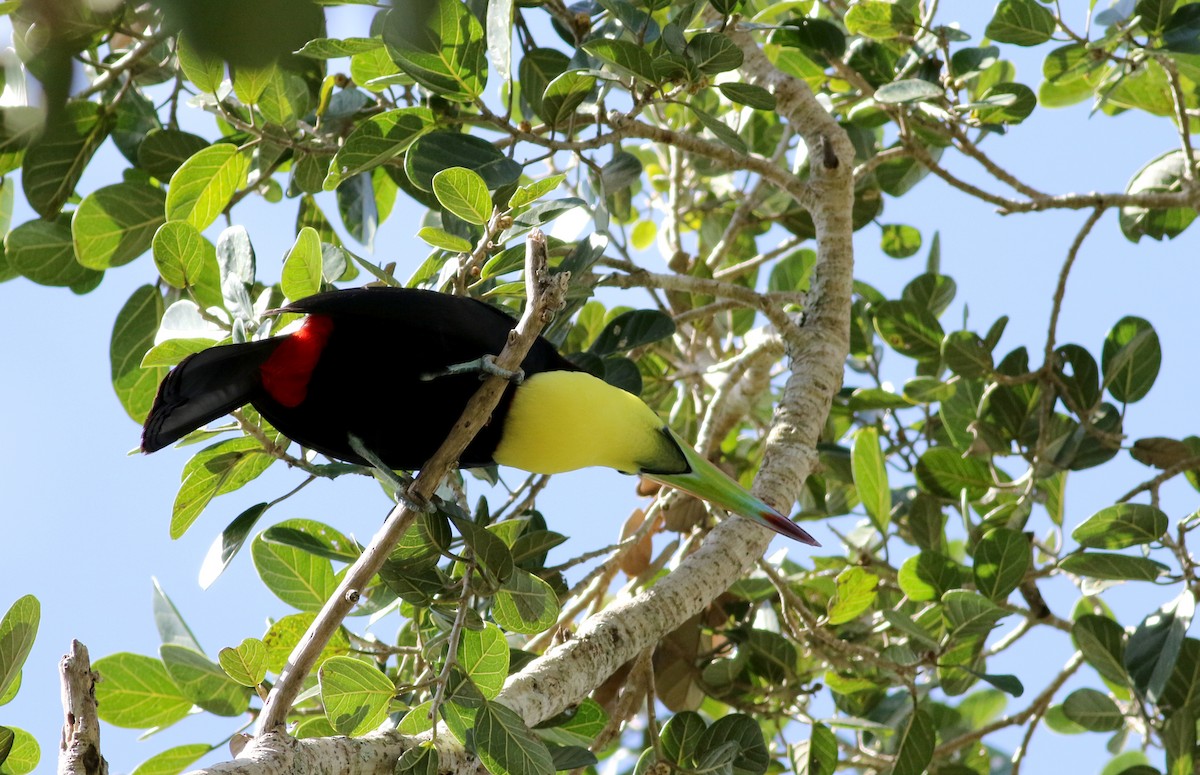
(286, 373)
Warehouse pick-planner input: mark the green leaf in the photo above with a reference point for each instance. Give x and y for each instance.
(162, 151)
(114, 225)
(525, 604)
(1120, 526)
(856, 591)
(132, 336)
(793, 272)
(421, 760)
(1009, 684)
(1130, 359)
(929, 575)
(879, 20)
(223, 549)
(818, 38)
(631, 329)
(1006, 103)
(1021, 22)
(205, 71)
(444, 51)
(1116, 567)
(203, 185)
(483, 655)
(1002, 558)
(1093, 711)
(464, 194)
(748, 94)
(246, 664)
(1182, 32)
(1057, 720)
(818, 755)
(909, 328)
(626, 58)
(1163, 174)
(18, 630)
(137, 692)
(285, 633)
(720, 129)
(315, 538)
(1102, 643)
(184, 258)
(302, 268)
(203, 682)
(930, 291)
(249, 83)
(916, 745)
(220, 468)
(334, 48)
(436, 151)
(535, 191)
(44, 252)
(376, 141)
(55, 161)
(751, 757)
(870, 477)
(505, 745)
(966, 354)
(680, 738)
(969, 613)
(23, 752)
(356, 695)
(173, 760)
(1183, 687)
(908, 90)
(713, 53)
(298, 578)
(444, 240)
(1154, 646)
(900, 241)
(944, 472)
(1082, 385)
(169, 621)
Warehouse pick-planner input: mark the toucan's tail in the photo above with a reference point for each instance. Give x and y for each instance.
(203, 387)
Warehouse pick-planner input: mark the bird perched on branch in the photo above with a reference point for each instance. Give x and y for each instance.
(394, 367)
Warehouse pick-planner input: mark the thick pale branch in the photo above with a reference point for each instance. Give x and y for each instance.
(79, 749)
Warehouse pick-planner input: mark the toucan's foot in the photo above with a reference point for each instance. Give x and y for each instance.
(484, 366)
(399, 484)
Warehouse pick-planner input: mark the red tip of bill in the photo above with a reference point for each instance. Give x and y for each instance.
(784, 526)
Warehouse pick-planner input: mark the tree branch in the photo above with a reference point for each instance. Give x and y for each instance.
(79, 749)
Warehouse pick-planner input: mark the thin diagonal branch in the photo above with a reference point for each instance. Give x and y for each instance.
(545, 296)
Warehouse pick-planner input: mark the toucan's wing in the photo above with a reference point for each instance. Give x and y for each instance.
(438, 329)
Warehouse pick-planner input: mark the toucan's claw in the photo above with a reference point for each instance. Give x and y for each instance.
(485, 365)
(398, 484)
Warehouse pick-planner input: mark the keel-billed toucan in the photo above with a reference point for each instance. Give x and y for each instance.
(374, 363)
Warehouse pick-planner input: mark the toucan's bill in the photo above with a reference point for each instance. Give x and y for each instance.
(706, 481)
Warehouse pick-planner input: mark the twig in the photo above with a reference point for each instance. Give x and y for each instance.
(1061, 290)
(79, 750)
(1038, 706)
(640, 278)
(1182, 122)
(545, 296)
(130, 58)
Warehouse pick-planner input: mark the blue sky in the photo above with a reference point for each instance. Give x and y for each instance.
(86, 523)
